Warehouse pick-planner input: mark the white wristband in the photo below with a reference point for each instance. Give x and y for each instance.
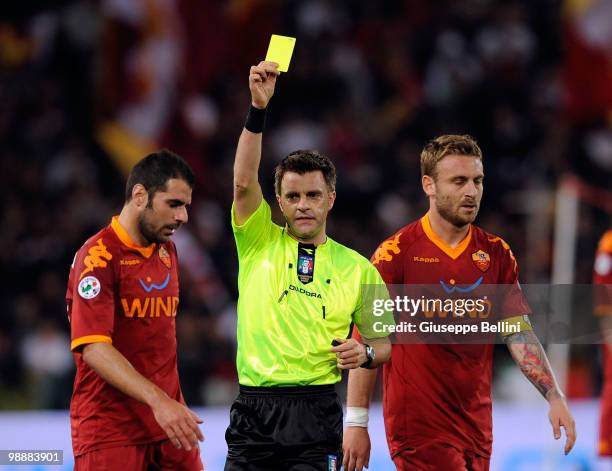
(356, 417)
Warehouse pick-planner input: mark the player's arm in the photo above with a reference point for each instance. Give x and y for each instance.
(179, 423)
(528, 354)
(356, 442)
(247, 191)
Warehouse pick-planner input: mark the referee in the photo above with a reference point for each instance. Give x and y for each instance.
(299, 290)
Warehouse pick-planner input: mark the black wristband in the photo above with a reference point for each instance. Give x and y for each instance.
(256, 120)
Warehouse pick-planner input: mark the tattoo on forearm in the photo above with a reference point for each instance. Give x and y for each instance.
(531, 359)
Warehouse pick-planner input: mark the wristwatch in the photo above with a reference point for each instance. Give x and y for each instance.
(370, 355)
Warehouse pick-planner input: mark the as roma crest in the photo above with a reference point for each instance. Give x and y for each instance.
(165, 257)
(481, 260)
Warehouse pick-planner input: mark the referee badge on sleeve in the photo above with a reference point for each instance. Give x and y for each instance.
(332, 463)
(305, 263)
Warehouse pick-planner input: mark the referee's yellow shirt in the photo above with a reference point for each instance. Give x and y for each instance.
(285, 326)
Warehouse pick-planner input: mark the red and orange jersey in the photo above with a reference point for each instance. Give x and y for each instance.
(415, 254)
(602, 277)
(434, 391)
(126, 295)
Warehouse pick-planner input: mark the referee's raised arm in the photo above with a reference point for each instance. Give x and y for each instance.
(247, 191)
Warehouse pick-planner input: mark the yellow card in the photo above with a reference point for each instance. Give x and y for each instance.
(280, 51)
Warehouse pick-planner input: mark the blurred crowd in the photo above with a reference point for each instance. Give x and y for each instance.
(369, 84)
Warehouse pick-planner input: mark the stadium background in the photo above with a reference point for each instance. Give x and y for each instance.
(87, 87)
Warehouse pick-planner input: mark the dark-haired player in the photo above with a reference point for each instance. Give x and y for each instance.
(127, 410)
(437, 398)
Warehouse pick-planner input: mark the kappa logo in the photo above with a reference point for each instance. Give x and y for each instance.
(98, 256)
(151, 286)
(386, 250)
(452, 288)
(425, 259)
(129, 262)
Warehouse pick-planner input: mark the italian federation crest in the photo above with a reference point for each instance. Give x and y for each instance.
(305, 263)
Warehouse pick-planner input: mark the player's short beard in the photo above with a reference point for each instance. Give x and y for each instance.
(445, 209)
(147, 229)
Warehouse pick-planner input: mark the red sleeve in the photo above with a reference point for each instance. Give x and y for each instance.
(602, 276)
(90, 295)
(388, 260)
(513, 302)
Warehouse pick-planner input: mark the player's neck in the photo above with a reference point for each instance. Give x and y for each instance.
(449, 233)
(128, 221)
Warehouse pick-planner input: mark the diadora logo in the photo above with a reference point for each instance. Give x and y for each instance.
(151, 286)
(452, 288)
(303, 291)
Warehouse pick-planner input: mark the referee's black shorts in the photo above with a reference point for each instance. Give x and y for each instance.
(285, 429)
